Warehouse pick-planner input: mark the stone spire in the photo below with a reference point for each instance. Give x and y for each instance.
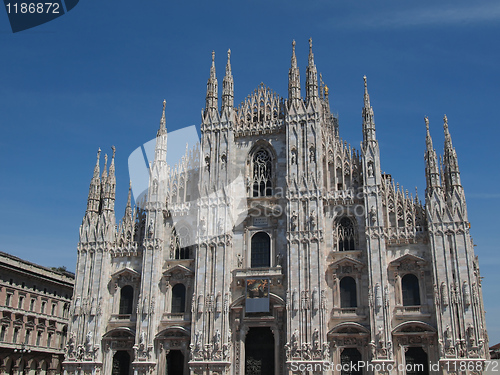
(212, 91)
(431, 162)
(161, 137)
(368, 119)
(451, 171)
(293, 79)
(228, 85)
(109, 184)
(128, 207)
(311, 77)
(127, 217)
(163, 122)
(94, 198)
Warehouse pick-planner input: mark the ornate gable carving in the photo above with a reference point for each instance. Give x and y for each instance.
(126, 276)
(408, 262)
(346, 266)
(177, 273)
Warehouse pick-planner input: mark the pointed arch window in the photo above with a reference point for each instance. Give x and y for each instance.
(348, 292)
(262, 174)
(410, 290)
(261, 250)
(126, 299)
(178, 299)
(345, 235)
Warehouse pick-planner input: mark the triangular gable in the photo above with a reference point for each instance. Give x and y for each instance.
(178, 269)
(346, 262)
(408, 258)
(126, 271)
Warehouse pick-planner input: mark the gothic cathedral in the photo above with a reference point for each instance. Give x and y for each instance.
(273, 247)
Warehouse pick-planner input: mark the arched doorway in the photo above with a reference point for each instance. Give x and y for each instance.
(259, 351)
(416, 361)
(121, 363)
(175, 363)
(350, 359)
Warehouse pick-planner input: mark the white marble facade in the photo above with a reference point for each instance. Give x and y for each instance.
(347, 265)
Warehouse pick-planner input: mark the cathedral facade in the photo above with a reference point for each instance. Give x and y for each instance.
(273, 247)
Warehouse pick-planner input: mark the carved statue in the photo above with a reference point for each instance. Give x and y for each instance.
(444, 294)
(88, 341)
(151, 227)
(279, 260)
(316, 339)
(200, 303)
(466, 291)
(293, 224)
(447, 337)
(198, 339)
(217, 337)
(312, 219)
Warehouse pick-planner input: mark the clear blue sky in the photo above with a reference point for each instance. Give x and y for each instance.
(97, 76)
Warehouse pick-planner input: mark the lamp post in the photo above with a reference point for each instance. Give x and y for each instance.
(22, 350)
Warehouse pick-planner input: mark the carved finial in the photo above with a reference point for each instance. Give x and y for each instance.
(293, 45)
(96, 168)
(164, 105)
(445, 119)
(105, 160)
(426, 122)
(213, 56)
(114, 151)
(364, 79)
(310, 44)
(228, 54)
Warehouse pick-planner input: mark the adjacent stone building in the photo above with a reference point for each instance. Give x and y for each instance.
(34, 308)
(273, 247)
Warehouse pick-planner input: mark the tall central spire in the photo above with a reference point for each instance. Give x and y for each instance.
(293, 79)
(211, 104)
(368, 119)
(228, 85)
(311, 77)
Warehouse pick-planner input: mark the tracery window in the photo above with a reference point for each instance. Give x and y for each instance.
(262, 174)
(261, 250)
(348, 292)
(345, 235)
(126, 299)
(410, 290)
